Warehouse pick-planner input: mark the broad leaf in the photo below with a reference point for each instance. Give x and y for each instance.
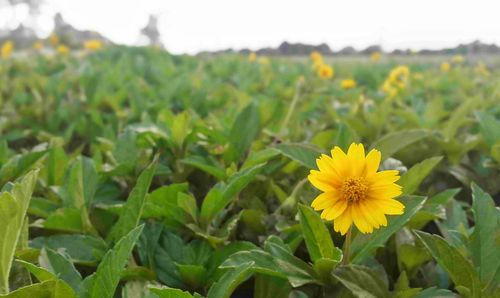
(410, 181)
(391, 143)
(362, 281)
(485, 239)
(301, 153)
(13, 207)
(132, 210)
(452, 261)
(105, 280)
(228, 282)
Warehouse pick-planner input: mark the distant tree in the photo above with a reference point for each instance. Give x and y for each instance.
(151, 31)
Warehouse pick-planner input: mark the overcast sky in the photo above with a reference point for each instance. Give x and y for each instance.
(189, 26)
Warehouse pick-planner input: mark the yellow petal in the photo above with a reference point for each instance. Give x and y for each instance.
(343, 222)
(375, 211)
(334, 211)
(372, 162)
(390, 206)
(369, 214)
(326, 165)
(388, 175)
(385, 192)
(359, 220)
(356, 156)
(340, 162)
(325, 200)
(322, 181)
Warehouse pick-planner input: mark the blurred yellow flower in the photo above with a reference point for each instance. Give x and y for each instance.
(348, 84)
(54, 39)
(325, 71)
(38, 45)
(264, 61)
(252, 57)
(7, 49)
(445, 67)
(418, 76)
(375, 56)
(481, 69)
(354, 191)
(457, 59)
(396, 81)
(63, 50)
(92, 44)
(316, 57)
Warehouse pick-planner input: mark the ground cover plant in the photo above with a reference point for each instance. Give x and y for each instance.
(130, 172)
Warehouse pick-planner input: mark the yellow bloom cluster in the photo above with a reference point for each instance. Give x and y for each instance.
(38, 45)
(63, 50)
(54, 39)
(481, 69)
(396, 81)
(92, 44)
(457, 59)
(348, 84)
(375, 56)
(325, 71)
(252, 57)
(7, 49)
(445, 67)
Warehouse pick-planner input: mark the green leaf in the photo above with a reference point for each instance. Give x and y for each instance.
(304, 154)
(61, 288)
(318, 240)
(18, 165)
(165, 292)
(452, 261)
(296, 270)
(489, 127)
(46, 289)
(362, 281)
(228, 282)
(363, 245)
(83, 249)
(108, 273)
(391, 143)
(459, 118)
(13, 208)
(262, 262)
(222, 194)
(258, 157)
(271, 287)
(485, 239)
(410, 181)
(205, 165)
(132, 211)
(245, 128)
(62, 267)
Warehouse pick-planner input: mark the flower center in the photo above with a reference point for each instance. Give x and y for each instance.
(354, 189)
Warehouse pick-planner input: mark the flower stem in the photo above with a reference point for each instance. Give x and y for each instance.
(347, 247)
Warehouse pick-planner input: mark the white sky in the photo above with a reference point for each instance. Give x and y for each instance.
(189, 26)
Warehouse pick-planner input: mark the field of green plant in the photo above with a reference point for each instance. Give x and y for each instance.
(130, 172)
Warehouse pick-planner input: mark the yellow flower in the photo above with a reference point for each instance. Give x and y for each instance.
(7, 49)
(348, 84)
(375, 56)
(418, 76)
(457, 59)
(38, 45)
(325, 71)
(264, 61)
(396, 81)
(63, 50)
(252, 57)
(54, 39)
(353, 190)
(316, 57)
(481, 69)
(445, 67)
(92, 44)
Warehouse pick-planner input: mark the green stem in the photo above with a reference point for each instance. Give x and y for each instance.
(347, 247)
(292, 106)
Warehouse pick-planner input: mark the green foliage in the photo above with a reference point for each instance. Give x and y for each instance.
(182, 176)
